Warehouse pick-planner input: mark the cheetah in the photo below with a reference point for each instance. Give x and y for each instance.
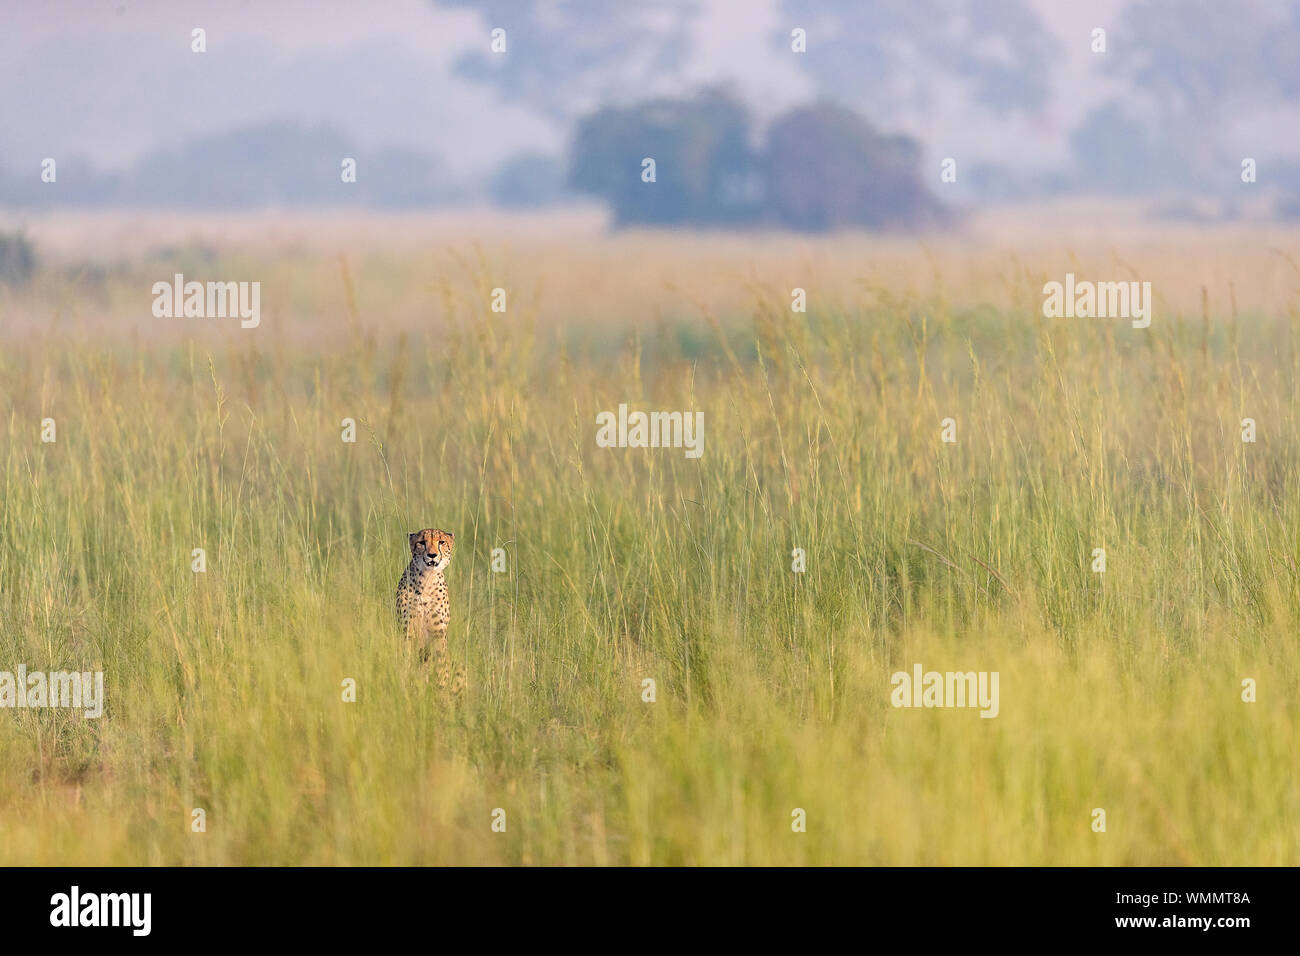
(423, 609)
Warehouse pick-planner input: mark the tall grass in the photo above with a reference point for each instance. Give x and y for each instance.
(1119, 690)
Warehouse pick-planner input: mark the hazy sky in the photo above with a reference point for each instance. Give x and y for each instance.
(110, 81)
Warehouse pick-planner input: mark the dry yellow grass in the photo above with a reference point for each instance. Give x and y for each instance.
(1120, 691)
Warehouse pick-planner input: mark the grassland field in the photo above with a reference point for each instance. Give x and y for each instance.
(1119, 690)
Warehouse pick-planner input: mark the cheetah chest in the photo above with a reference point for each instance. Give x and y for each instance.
(423, 599)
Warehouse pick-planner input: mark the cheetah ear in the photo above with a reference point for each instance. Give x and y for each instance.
(410, 539)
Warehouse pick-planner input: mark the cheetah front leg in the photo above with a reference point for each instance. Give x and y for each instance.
(449, 677)
(417, 642)
(442, 660)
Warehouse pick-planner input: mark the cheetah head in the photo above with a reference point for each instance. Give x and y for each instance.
(431, 549)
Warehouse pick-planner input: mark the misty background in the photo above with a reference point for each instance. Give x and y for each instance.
(850, 133)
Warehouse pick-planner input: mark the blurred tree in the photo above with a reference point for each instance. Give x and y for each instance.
(888, 54)
(529, 180)
(17, 259)
(255, 165)
(705, 170)
(283, 163)
(1202, 65)
(1116, 153)
(399, 177)
(823, 168)
(566, 58)
(828, 169)
(1205, 57)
